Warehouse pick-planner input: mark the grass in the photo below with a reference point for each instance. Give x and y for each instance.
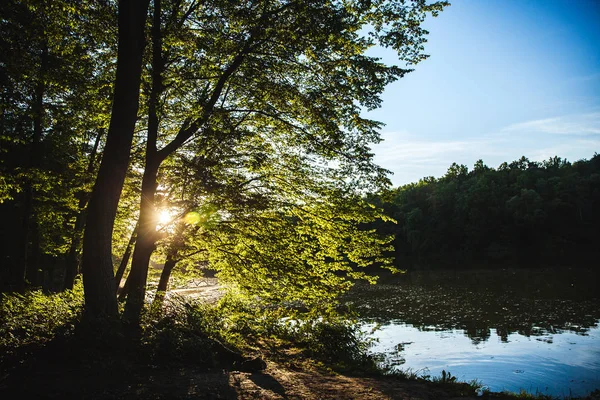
(446, 380)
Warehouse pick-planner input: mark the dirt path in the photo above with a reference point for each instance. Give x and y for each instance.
(280, 383)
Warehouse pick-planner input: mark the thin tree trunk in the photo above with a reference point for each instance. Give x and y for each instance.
(25, 237)
(73, 256)
(31, 241)
(35, 273)
(172, 259)
(122, 292)
(144, 246)
(163, 283)
(97, 267)
(126, 257)
(136, 285)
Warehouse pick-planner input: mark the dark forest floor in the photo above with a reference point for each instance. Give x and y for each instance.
(276, 382)
(119, 376)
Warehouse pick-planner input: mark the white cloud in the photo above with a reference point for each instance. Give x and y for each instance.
(408, 149)
(411, 157)
(572, 151)
(576, 124)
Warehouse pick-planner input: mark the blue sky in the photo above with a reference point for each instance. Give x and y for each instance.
(505, 78)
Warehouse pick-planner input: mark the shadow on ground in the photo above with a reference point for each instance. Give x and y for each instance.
(65, 371)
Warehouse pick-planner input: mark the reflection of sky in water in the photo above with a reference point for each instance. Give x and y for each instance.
(556, 364)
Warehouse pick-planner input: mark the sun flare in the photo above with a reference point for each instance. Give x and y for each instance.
(164, 217)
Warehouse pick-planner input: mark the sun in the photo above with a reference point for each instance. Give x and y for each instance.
(164, 217)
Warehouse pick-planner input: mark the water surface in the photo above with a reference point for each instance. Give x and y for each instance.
(512, 330)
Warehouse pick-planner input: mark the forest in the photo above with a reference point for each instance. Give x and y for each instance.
(524, 214)
(144, 142)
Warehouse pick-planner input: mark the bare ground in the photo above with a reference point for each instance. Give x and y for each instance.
(282, 383)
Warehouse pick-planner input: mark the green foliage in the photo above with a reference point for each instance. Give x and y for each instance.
(252, 111)
(35, 318)
(335, 340)
(196, 331)
(326, 336)
(183, 333)
(295, 232)
(55, 60)
(523, 394)
(299, 253)
(523, 213)
(254, 115)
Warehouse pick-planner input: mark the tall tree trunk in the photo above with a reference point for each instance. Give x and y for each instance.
(146, 239)
(126, 256)
(136, 283)
(31, 241)
(97, 267)
(72, 262)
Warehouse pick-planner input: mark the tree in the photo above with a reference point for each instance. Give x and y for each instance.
(52, 105)
(270, 72)
(72, 259)
(286, 237)
(250, 76)
(97, 267)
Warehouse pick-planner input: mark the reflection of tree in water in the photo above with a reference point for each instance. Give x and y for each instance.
(477, 335)
(548, 302)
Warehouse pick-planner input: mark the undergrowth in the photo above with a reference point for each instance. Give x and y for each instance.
(196, 332)
(184, 328)
(34, 318)
(446, 380)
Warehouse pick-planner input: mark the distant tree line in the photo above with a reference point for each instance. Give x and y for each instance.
(523, 213)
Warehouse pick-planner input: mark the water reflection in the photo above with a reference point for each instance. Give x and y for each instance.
(532, 330)
(531, 303)
(557, 365)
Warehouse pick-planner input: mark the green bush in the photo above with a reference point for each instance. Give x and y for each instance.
(325, 335)
(334, 340)
(35, 318)
(187, 329)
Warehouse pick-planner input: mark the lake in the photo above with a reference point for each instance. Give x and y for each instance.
(533, 330)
